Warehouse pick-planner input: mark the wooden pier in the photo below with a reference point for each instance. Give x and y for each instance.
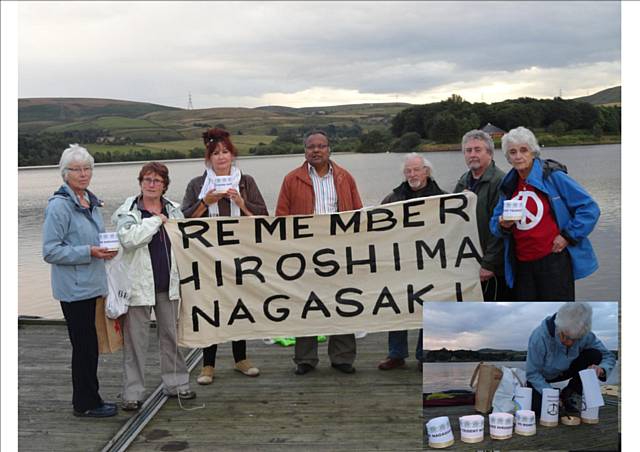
(323, 410)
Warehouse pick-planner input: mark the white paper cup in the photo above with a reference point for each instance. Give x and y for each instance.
(439, 431)
(501, 425)
(525, 422)
(472, 428)
(109, 240)
(550, 407)
(591, 389)
(522, 398)
(589, 415)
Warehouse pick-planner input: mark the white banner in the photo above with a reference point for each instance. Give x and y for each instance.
(306, 275)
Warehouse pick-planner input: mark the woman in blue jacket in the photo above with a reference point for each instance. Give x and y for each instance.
(559, 348)
(72, 224)
(548, 249)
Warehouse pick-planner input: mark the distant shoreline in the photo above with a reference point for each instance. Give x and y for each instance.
(424, 148)
(470, 356)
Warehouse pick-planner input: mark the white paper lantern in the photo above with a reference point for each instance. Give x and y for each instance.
(501, 425)
(472, 428)
(525, 422)
(589, 415)
(591, 389)
(522, 398)
(439, 431)
(550, 407)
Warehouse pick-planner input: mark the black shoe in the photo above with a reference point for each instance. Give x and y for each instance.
(571, 402)
(104, 410)
(345, 368)
(303, 368)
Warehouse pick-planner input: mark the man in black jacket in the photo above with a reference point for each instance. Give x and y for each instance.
(483, 178)
(418, 184)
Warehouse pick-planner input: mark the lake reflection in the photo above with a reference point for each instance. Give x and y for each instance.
(457, 375)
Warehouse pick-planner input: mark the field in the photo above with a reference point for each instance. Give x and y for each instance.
(242, 142)
(141, 131)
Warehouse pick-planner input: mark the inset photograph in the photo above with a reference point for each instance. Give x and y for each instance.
(521, 376)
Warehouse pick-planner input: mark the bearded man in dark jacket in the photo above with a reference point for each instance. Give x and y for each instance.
(483, 178)
(418, 184)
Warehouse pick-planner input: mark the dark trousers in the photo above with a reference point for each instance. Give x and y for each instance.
(209, 353)
(81, 324)
(399, 345)
(586, 358)
(496, 289)
(546, 279)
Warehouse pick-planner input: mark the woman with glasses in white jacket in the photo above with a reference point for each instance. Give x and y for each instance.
(155, 284)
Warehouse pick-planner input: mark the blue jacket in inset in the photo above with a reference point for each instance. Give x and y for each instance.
(575, 211)
(547, 357)
(68, 233)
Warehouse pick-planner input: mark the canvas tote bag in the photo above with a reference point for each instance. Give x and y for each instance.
(485, 381)
(109, 332)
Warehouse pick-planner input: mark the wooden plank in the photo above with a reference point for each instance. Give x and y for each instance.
(45, 419)
(323, 410)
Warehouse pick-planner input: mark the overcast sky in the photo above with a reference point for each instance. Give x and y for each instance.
(503, 325)
(316, 53)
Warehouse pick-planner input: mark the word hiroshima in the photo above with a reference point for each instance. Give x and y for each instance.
(327, 262)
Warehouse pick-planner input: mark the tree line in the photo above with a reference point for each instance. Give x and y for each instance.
(46, 149)
(447, 121)
(438, 122)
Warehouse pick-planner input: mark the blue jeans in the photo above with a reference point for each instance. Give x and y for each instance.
(399, 347)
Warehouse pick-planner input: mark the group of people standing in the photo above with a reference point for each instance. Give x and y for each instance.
(536, 258)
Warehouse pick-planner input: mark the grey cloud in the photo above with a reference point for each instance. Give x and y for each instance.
(507, 325)
(249, 49)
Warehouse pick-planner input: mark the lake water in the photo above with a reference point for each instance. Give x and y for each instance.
(597, 168)
(443, 376)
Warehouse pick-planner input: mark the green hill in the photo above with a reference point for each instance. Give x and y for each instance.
(609, 96)
(150, 122)
(62, 110)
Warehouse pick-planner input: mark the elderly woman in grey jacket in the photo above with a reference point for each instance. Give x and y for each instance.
(155, 284)
(72, 224)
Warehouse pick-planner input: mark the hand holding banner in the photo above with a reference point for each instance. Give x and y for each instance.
(305, 275)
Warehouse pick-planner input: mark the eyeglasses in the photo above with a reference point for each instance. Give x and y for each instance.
(85, 169)
(150, 181)
(320, 147)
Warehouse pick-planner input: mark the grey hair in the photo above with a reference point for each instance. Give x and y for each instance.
(520, 135)
(74, 153)
(574, 319)
(481, 135)
(314, 132)
(413, 155)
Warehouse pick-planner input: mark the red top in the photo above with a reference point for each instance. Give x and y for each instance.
(534, 235)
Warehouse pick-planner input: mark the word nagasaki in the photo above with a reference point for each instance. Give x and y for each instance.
(248, 254)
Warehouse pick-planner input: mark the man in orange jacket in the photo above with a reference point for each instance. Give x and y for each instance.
(320, 186)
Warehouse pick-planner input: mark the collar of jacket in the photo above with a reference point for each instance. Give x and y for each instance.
(551, 329)
(551, 325)
(67, 193)
(165, 202)
(302, 173)
(510, 181)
